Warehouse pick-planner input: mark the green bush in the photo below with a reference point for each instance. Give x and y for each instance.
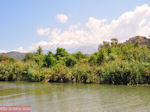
(70, 61)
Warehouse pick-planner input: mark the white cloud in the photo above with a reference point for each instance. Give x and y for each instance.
(20, 49)
(87, 38)
(128, 24)
(62, 18)
(3, 51)
(43, 31)
(74, 27)
(94, 24)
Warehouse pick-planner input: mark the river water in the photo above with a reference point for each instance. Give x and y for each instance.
(59, 97)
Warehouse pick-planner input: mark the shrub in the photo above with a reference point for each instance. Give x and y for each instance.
(70, 61)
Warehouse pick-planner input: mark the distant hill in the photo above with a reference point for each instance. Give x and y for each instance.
(142, 40)
(14, 54)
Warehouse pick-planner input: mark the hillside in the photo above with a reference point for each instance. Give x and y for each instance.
(113, 64)
(142, 40)
(14, 54)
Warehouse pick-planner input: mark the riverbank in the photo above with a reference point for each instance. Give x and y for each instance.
(112, 73)
(118, 64)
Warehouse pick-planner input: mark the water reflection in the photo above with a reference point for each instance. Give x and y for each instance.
(53, 97)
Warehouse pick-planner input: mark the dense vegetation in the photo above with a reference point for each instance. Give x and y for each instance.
(113, 64)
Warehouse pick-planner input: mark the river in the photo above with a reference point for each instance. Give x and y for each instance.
(67, 97)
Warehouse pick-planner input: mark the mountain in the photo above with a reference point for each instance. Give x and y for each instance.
(14, 54)
(142, 40)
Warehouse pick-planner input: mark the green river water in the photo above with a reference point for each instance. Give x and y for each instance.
(67, 97)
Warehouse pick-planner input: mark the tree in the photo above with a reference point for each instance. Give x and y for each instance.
(50, 59)
(105, 43)
(79, 55)
(60, 53)
(39, 59)
(100, 57)
(108, 50)
(29, 57)
(39, 51)
(93, 59)
(114, 41)
(100, 47)
(137, 44)
(12, 60)
(70, 61)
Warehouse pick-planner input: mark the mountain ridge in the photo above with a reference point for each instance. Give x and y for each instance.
(14, 54)
(142, 41)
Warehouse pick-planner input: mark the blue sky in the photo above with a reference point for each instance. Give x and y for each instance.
(20, 21)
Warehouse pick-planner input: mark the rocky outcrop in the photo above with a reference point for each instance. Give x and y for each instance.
(142, 40)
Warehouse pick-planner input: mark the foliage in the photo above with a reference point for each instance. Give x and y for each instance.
(61, 53)
(70, 61)
(4, 58)
(39, 51)
(29, 57)
(79, 55)
(113, 63)
(50, 60)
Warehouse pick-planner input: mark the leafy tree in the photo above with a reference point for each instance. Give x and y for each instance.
(105, 44)
(39, 51)
(100, 57)
(12, 60)
(39, 59)
(29, 57)
(100, 47)
(50, 59)
(79, 55)
(137, 44)
(108, 50)
(61, 53)
(114, 41)
(93, 59)
(70, 61)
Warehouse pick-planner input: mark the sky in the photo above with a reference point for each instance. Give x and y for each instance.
(76, 25)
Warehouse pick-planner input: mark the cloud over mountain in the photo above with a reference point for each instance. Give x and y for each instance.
(90, 35)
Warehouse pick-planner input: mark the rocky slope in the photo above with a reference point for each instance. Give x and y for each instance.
(142, 40)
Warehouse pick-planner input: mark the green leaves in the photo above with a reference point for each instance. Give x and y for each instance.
(79, 55)
(39, 51)
(50, 60)
(70, 61)
(60, 52)
(112, 64)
